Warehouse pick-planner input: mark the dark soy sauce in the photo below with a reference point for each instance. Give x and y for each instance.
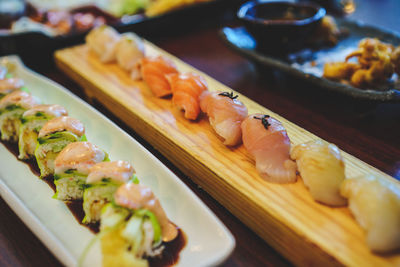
(76, 208)
(170, 254)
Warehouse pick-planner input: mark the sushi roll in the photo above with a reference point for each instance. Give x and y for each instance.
(134, 226)
(31, 122)
(102, 41)
(129, 52)
(186, 89)
(154, 71)
(53, 137)
(226, 114)
(375, 204)
(103, 180)
(71, 168)
(267, 141)
(8, 85)
(12, 106)
(322, 168)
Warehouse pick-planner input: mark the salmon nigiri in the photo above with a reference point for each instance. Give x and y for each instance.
(154, 70)
(267, 141)
(226, 114)
(186, 89)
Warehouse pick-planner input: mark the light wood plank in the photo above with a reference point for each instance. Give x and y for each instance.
(305, 232)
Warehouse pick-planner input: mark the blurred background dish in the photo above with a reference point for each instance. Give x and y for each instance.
(34, 29)
(280, 25)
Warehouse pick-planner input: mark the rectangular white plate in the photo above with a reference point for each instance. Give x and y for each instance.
(208, 240)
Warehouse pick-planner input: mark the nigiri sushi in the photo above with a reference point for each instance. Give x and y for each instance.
(186, 89)
(266, 140)
(129, 52)
(31, 122)
(134, 226)
(9, 85)
(103, 41)
(12, 106)
(322, 168)
(72, 166)
(375, 204)
(226, 114)
(154, 71)
(102, 181)
(53, 137)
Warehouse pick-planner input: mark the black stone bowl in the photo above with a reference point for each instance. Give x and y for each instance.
(280, 26)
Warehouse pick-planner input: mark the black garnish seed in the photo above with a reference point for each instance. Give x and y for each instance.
(230, 95)
(264, 121)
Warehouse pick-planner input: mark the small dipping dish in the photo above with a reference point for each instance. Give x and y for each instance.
(280, 26)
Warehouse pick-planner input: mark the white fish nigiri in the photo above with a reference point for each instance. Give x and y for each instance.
(103, 40)
(129, 52)
(266, 140)
(226, 114)
(375, 204)
(322, 168)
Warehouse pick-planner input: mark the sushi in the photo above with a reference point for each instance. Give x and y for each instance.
(375, 204)
(186, 89)
(71, 168)
(103, 180)
(53, 137)
(226, 114)
(129, 52)
(133, 227)
(8, 85)
(12, 106)
(31, 122)
(266, 140)
(154, 71)
(322, 168)
(103, 41)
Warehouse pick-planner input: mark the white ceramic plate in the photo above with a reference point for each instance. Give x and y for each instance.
(208, 241)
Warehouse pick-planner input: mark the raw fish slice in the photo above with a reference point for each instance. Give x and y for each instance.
(186, 89)
(103, 40)
(129, 52)
(225, 113)
(267, 141)
(375, 203)
(322, 168)
(154, 70)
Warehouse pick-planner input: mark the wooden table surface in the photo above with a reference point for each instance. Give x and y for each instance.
(369, 131)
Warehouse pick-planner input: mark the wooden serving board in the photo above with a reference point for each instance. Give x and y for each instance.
(285, 216)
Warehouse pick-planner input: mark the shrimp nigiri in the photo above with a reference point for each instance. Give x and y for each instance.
(226, 114)
(267, 141)
(154, 70)
(186, 89)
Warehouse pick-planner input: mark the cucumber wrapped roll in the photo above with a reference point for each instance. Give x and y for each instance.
(31, 122)
(103, 180)
(72, 167)
(56, 134)
(9, 85)
(133, 227)
(12, 106)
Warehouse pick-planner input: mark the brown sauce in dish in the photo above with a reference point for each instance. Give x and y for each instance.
(76, 208)
(50, 181)
(170, 254)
